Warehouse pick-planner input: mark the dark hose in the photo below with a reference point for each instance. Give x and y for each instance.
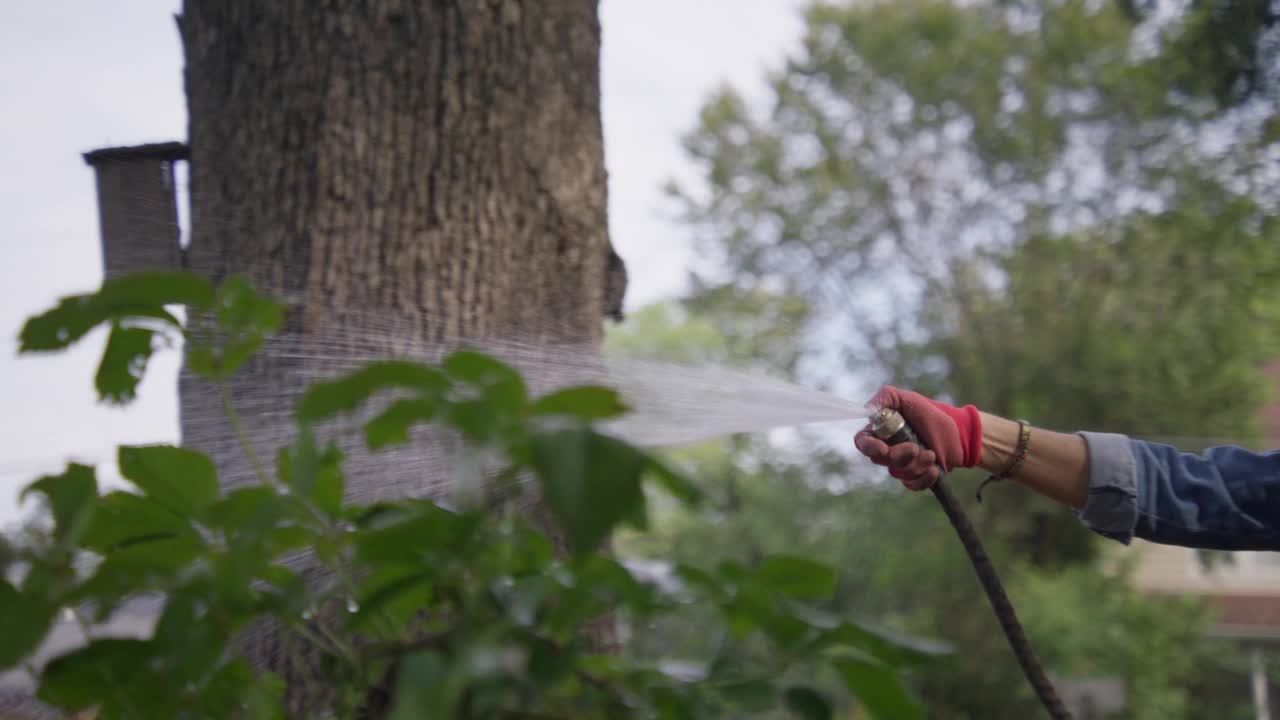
(1000, 602)
(890, 426)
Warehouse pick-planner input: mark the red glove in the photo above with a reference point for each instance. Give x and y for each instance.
(954, 437)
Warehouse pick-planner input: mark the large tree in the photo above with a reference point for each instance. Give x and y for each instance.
(404, 175)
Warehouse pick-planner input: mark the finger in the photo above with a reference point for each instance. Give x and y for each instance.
(887, 396)
(923, 482)
(922, 462)
(920, 473)
(871, 446)
(903, 455)
(924, 472)
(915, 479)
(909, 478)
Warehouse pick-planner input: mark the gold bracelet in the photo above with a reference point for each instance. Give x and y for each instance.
(1019, 455)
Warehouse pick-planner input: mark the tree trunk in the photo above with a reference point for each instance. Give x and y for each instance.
(432, 167)
(440, 162)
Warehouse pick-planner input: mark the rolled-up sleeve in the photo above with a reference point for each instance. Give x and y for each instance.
(1225, 498)
(1112, 506)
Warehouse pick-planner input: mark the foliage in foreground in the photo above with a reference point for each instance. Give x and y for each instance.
(422, 610)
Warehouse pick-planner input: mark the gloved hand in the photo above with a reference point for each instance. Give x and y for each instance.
(954, 437)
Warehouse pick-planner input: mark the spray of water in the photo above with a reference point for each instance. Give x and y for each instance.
(670, 403)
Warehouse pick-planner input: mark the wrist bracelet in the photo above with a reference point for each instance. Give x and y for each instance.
(1019, 455)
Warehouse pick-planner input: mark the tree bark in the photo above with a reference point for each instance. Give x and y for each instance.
(434, 167)
(441, 162)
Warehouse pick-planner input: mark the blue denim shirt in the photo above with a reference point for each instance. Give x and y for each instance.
(1227, 498)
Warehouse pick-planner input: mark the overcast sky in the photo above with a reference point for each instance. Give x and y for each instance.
(83, 75)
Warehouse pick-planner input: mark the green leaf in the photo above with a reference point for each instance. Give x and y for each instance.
(390, 598)
(140, 567)
(476, 368)
(672, 704)
(807, 703)
(478, 420)
(240, 309)
(573, 608)
(123, 363)
(265, 699)
(326, 399)
(313, 475)
(602, 574)
(70, 498)
(184, 481)
(547, 664)
(754, 608)
(122, 517)
(797, 577)
(588, 402)
(141, 295)
(392, 425)
(237, 690)
(425, 688)
(234, 353)
(223, 693)
(674, 482)
(24, 621)
(590, 482)
(242, 319)
(248, 510)
(892, 648)
(87, 676)
(202, 359)
(191, 640)
(879, 690)
(284, 538)
(288, 595)
(330, 487)
(420, 532)
(753, 696)
(706, 583)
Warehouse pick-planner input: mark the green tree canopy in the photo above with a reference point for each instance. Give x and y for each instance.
(1056, 209)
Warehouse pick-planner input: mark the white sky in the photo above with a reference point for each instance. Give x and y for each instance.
(83, 75)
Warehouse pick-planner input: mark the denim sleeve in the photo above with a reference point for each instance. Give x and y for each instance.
(1111, 509)
(1226, 498)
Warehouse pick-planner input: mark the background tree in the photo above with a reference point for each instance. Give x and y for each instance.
(1051, 209)
(900, 563)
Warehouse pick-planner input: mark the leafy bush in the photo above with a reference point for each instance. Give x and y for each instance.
(426, 611)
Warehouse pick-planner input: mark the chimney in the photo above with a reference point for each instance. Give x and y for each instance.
(137, 207)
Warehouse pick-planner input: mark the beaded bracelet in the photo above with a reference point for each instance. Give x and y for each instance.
(1019, 455)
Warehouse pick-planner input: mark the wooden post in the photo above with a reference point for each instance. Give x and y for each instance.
(1258, 682)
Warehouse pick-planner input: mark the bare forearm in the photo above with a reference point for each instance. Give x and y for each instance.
(1056, 466)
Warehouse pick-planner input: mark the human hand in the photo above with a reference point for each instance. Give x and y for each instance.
(953, 436)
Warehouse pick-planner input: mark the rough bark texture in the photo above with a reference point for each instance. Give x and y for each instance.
(433, 166)
(437, 161)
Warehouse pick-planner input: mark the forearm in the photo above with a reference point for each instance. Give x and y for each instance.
(1224, 498)
(1056, 465)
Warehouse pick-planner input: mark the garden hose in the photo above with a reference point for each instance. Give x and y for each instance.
(892, 428)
